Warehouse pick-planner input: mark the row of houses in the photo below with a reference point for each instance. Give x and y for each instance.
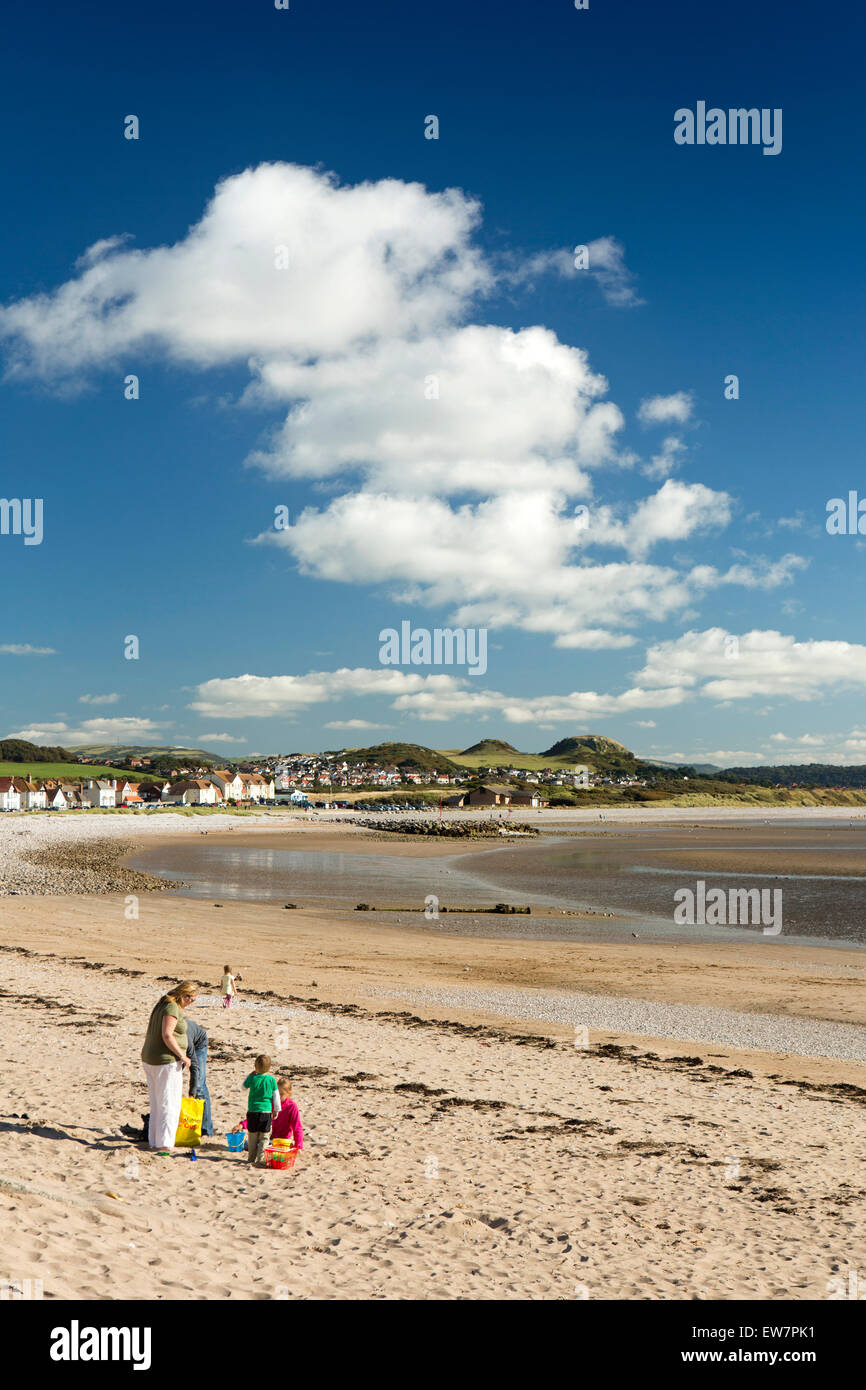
(495, 794)
(25, 794)
(308, 771)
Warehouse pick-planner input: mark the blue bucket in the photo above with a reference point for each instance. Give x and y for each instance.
(236, 1142)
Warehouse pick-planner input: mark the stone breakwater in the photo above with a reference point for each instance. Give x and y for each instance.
(471, 830)
(93, 866)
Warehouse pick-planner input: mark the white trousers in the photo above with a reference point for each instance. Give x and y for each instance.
(165, 1089)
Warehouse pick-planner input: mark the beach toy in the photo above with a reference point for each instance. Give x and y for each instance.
(236, 1142)
(281, 1143)
(280, 1158)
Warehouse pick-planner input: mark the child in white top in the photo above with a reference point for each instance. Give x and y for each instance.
(228, 988)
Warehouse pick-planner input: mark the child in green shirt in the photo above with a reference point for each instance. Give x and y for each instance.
(263, 1104)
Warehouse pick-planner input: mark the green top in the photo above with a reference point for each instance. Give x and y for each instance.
(155, 1052)
(261, 1086)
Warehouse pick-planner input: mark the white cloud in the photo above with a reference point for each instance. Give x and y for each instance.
(385, 259)
(731, 757)
(354, 724)
(512, 411)
(665, 410)
(125, 730)
(763, 663)
(98, 699)
(221, 738)
(807, 740)
(25, 649)
(667, 460)
(606, 265)
(695, 664)
(512, 560)
(375, 302)
(237, 697)
(644, 723)
(427, 697)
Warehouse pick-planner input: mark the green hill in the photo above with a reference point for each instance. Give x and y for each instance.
(579, 749)
(490, 746)
(401, 755)
(62, 771)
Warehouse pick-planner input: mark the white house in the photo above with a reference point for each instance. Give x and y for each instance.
(72, 795)
(55, 799)
(580, 775)
(98, 793)
(32, 797)
(230, 784)
(10, 797)
(258, 788)
(194, 792)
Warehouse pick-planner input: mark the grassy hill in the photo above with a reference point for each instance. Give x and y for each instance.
(496, 748)
(68, 772)
(401, 755)
(603, 755)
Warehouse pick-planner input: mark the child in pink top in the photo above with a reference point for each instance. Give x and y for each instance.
(288, 1123)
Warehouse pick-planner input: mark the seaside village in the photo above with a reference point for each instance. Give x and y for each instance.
(292, 780)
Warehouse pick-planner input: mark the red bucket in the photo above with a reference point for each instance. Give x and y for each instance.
(280, 1158)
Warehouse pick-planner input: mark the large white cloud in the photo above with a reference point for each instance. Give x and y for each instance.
(386, 259)
(478, 409)
(399, 402)
(520, 559)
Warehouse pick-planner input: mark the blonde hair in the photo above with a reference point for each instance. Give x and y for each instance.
(263, 1062)
(185, 987)
(284, 1086)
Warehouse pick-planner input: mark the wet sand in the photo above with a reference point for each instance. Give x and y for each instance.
(627, 875)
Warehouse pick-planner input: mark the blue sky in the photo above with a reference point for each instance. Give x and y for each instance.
(702, 611)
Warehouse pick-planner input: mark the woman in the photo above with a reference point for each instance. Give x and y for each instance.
(164, 1059)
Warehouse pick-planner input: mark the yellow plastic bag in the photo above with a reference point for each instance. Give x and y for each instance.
(189, 1125)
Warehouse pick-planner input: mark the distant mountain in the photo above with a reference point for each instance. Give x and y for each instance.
(147, 750)
(489, 745)
(401, 755)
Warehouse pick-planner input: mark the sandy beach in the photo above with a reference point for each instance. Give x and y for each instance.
(484, 1118)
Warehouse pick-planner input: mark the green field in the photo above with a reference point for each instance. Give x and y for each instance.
(69, 772)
